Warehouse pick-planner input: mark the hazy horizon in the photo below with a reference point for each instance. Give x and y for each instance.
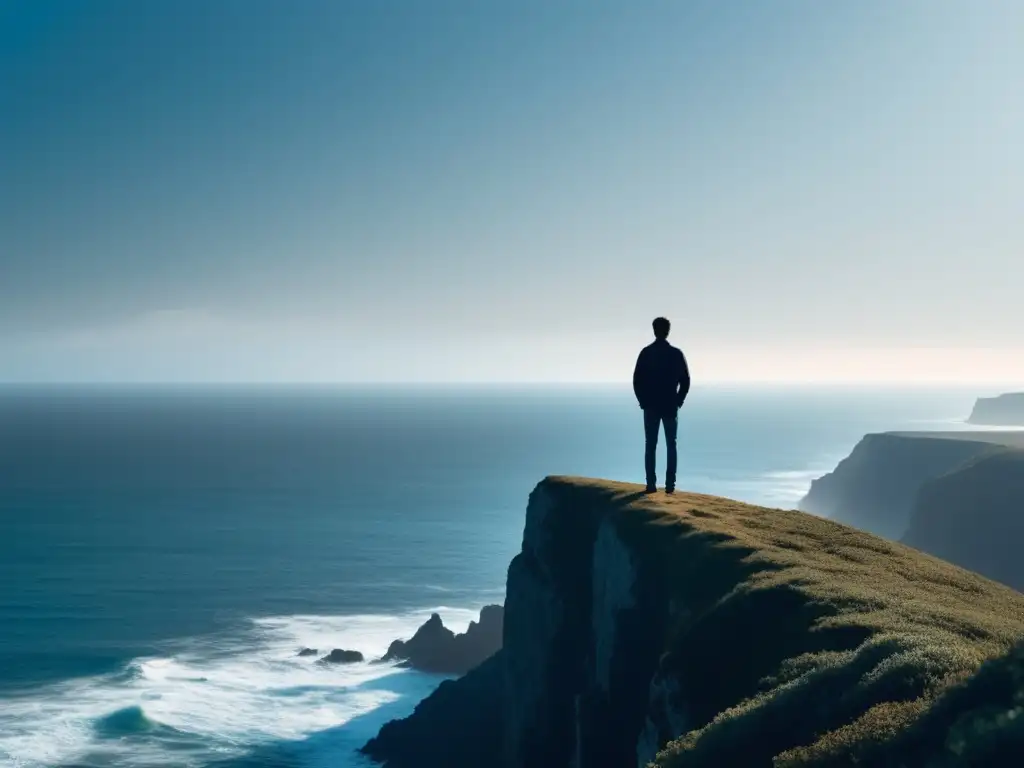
(227, 191)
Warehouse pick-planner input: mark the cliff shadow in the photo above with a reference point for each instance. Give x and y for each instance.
(974, 517)
(729, 604)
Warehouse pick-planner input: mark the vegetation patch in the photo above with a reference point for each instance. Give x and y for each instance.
(798, 641)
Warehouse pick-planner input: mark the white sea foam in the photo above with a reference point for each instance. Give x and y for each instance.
(216, 698)
(791, 486)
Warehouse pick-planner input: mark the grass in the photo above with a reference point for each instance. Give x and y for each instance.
(803, 642)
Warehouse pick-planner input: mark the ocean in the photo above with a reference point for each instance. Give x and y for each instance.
(165, 552)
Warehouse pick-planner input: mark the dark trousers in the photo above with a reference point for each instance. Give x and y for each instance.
(653, 421)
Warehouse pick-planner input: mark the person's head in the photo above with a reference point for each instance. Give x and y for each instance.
(661, 327)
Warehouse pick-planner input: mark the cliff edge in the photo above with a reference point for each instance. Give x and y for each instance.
(1003, 410)
(697, 631)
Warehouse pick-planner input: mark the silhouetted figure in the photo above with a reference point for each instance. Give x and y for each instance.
(661, 381)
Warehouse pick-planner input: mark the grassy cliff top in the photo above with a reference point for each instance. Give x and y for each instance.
(800, 641)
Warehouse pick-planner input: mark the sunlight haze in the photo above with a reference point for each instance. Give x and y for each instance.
(336, 191)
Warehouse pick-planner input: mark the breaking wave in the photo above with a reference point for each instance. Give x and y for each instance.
(247, 698)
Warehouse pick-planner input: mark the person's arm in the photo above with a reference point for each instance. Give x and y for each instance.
(638, 379)
(684, 380)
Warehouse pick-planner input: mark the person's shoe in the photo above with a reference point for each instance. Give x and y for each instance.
(651, 489)
(670, 489)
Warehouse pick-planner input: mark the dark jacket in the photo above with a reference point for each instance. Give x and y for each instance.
(661, 379)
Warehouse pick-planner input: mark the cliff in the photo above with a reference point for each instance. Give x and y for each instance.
(974, 517)
(697, 631)
(1004, 410)
(435, 648)
(876, 486)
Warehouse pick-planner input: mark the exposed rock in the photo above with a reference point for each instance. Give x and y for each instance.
(974, 517)
(696, 631)
(454, 726)
(308, 652)
(339, 656)
(435, 648)
(431, 634)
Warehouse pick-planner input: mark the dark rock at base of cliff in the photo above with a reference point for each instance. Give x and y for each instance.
(339, 656)
(974, 517)
(431, 635)
(435, 648)
(459, 724)
(308, 652)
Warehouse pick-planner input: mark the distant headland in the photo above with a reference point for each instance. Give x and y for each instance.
(875, 488)
(956, 495)
(1003, 410)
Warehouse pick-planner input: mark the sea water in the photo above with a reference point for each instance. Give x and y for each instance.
(165, 552)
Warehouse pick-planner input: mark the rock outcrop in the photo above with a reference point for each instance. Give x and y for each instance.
(307, 652)
(341, 656)
(876, 486)
(435, 648)
(697, 631)
(1004, 410)
(974, 517)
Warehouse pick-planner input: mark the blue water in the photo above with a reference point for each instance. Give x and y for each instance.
(164, 553)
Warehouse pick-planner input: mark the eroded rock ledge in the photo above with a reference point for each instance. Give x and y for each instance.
(697, 631)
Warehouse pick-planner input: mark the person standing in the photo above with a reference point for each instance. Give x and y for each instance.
(661, 382)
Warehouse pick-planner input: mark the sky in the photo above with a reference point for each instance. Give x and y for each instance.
(464, 190)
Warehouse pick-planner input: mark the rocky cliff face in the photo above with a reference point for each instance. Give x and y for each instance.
(1004, 410)
(695, 631)
(587, 624)
(876, 486)
(435, 648)
(974, 517)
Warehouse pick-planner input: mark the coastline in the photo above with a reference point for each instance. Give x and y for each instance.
(296, 523)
